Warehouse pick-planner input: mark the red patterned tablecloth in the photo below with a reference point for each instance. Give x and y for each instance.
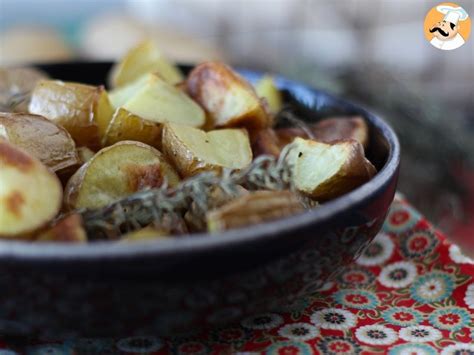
(411, 292)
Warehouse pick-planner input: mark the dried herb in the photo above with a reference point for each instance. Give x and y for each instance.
(166, 207)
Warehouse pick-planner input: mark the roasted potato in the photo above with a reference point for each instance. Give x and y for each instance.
(84, 110)
(253, 208)
(143, 59)
(43, 139)
(15, 85)
(267, 89)
(68, 229)
(159, 101)
(327, 170)
(229, 100)
(119, 96)
(330, 130)
(127, 126)
(116, 172)
(192, 150)
(30, 194)
(271, 141)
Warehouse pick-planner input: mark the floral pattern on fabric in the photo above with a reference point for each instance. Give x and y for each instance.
(410, 292)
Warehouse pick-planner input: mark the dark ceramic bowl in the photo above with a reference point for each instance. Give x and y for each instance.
(168, 286)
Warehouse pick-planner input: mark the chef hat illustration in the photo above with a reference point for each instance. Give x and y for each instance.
(452, 14)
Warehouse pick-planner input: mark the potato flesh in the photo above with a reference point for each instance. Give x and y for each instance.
(119, 96)
(227, 97)
(267, 89)
(116, 172)
(127, 126)
(325, 171)
(192, 150)
(43, 139)
(140, 60)
(161, 102)
(318, 164)
(83, 110)
(30, 195)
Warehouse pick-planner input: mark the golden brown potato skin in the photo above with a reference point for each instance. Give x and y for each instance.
(42, 138)
(253, 208)
(227, 98)
(83, 110)
(30, 194)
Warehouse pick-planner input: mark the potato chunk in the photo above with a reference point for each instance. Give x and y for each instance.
(325, 171)
(67, 230)
(158, 101)
(43, 139)
(116, 172)
(127, 126)
(330, 130)
(228, 99)
(192, 150)
(143, 59)
(84, 110)
(30, 194)
(267, 89)
(253, 208)
(119, 96)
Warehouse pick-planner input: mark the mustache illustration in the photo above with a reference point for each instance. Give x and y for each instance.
(443, 33)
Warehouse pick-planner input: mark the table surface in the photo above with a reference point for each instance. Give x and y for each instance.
(411, 292)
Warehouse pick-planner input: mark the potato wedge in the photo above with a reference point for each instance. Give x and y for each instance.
(228, 98)
(327, 170)
(253, 208)
(30, 194)
(43, 139)
(127, 126)
(15, 85)
(330, 130)
(192, 150)
(267, 89)
(84, 110)
(161, 102)
(116, 172)
(68, 230)
(143, 59)
(119, 96)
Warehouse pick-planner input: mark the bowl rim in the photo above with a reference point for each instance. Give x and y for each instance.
(103, 250)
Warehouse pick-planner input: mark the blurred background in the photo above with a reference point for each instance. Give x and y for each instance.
(372, 51)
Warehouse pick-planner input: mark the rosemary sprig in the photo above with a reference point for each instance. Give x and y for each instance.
(168, 206)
